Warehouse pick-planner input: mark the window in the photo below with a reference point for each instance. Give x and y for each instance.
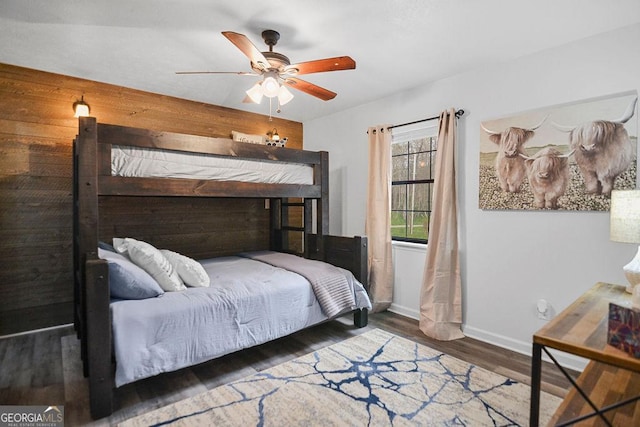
(413, 157)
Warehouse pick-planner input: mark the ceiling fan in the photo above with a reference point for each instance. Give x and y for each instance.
(276, 68)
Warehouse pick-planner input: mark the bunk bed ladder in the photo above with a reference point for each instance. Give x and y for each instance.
(291, 220)
(284, 234)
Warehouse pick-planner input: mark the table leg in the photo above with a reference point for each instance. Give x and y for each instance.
(536, 378)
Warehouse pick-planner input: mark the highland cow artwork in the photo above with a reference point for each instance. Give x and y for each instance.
(567, 157)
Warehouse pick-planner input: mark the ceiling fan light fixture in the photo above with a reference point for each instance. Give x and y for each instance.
(255, 93)
(270, 85)
(284, 95)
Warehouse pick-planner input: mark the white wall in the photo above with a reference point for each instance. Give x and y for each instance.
(408, 263)
(510, 259)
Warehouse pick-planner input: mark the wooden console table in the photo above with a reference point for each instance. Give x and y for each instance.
(610, 384)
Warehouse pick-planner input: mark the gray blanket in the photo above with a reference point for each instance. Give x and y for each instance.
(330, 284)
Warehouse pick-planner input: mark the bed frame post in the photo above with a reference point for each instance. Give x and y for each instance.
(77, 269)
(307, 217)
(99, 345)
(322, 216)
(361, 317)
(85, 207)
(275, 207)
(92, 276)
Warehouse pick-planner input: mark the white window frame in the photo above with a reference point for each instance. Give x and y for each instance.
(401, 135)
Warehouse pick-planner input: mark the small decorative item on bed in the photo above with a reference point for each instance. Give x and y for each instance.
(251, 139)
(122, 289)
(274, 139)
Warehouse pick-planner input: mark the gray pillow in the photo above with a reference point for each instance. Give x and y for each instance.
(106, 246)
(127, 280)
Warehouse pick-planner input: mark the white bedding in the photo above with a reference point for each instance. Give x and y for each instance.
(180, 329)
(155, 163)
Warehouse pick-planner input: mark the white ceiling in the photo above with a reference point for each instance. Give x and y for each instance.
(397, 44)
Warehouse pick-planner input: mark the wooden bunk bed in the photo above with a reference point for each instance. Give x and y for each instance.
(95, 188)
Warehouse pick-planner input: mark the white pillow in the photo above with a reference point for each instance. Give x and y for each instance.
(190, 271)
(152, 261)
(245, 137)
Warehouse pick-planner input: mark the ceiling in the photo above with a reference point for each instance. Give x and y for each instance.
(397, 44)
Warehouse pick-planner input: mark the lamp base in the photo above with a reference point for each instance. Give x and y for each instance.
(632, 272)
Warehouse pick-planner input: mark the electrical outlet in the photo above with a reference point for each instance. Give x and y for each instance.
(543, 309)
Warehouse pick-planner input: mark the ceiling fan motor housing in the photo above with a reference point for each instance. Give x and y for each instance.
(277, 61)
(271, 38)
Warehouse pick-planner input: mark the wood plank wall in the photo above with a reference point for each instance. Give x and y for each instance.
(36, 132)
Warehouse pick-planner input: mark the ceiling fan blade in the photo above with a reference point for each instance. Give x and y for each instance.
(321, 65)
(247, 100)
(239, 73)
(249, 49)
(310, 88)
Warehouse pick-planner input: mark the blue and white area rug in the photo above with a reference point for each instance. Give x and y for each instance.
(375, 379)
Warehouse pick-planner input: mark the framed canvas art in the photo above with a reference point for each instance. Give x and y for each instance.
(567, 157)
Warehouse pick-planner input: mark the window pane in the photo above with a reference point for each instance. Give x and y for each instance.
(413, 225)
(420, 227)
(398, 197)
(411, 164)
(399, 165)
(432, 161)
(417, 145)
(399, 148)
(398, 224)
(419, 197)
(433, 142)
(423, 166)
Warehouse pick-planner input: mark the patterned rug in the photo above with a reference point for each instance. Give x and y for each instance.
(374, 379)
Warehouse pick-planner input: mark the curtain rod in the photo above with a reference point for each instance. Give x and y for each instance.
(458, 114)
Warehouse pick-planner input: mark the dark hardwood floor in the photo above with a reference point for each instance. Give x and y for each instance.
(33, 372)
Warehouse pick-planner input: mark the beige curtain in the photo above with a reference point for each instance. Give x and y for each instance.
(440, 298)
(378, 221)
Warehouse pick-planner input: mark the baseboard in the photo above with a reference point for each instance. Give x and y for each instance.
(34, 331)
(566, 360)
(404, 311)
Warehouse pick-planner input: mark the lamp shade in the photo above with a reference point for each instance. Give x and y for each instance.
(625, 216)
(284, 95)
(255, 93)
(81, 108)
(270, 85)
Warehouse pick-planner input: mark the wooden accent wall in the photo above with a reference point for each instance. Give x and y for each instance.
(36, 131)
(199, 228)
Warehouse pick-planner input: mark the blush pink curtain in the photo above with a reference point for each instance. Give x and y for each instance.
(440, 299)
(378, 220)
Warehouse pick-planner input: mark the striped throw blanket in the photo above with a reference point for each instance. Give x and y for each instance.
(329, 283)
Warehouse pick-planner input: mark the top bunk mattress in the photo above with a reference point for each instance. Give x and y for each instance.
(157, 163)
